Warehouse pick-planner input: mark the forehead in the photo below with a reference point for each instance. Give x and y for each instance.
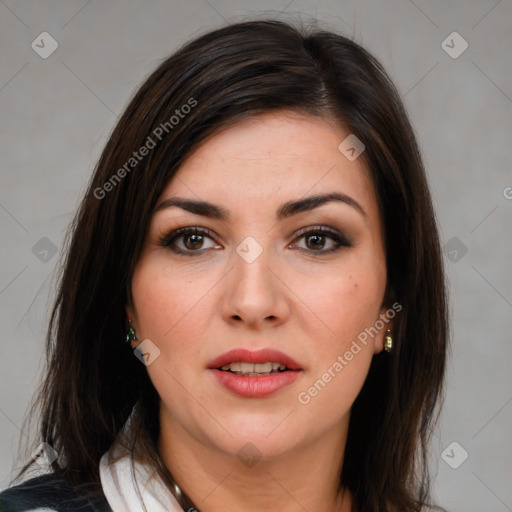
(272, 158)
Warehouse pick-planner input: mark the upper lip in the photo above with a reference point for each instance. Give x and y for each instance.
(254, 356)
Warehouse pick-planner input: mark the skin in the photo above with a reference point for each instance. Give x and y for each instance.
(310, 305)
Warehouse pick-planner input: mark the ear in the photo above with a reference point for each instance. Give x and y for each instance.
(386, 320)
(130, 314)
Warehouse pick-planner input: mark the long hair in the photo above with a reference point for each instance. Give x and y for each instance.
(93, 381)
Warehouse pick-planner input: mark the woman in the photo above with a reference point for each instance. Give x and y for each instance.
(260, 232)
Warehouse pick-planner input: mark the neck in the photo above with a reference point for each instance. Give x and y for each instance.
(306, 478)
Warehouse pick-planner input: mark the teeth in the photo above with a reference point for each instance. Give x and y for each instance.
(251, 368)
(248, 368)
(263, 367)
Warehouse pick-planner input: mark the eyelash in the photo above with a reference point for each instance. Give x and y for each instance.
(170, 239)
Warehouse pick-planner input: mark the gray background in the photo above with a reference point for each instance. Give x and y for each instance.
(56, 113)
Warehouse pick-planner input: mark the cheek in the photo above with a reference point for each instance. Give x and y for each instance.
(172, 310)
(347, 302)
(347, 305)
(330, 392)
(169, 305)
(340, 362)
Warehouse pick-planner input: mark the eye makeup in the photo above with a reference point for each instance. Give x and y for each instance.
(182, 241)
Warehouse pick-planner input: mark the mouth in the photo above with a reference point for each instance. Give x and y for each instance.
(255, 373)
(267, 361)
(254, 369)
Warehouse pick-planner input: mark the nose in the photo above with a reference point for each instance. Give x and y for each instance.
(254, 294)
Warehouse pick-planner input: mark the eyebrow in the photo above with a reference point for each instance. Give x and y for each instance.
(288, 209)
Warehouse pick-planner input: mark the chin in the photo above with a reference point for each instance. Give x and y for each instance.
(268, 437)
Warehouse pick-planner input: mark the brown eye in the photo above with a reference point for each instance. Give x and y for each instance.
(321, 240)
(193, 241)
(189, 241)
(315, 241)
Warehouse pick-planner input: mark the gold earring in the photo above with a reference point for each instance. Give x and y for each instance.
(388, 341)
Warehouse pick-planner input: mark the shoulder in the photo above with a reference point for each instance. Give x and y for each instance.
(49, 493)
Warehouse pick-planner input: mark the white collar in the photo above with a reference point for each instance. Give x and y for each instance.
(134, 489)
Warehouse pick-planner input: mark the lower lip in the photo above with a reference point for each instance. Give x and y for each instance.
(256, 387)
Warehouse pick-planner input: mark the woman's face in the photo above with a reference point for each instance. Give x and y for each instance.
(262, 277)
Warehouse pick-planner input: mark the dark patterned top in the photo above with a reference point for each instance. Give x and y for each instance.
(53, 493)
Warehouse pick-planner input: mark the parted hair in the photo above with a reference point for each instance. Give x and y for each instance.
(92, 381)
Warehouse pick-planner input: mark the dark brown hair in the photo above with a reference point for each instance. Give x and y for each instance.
(93, 381)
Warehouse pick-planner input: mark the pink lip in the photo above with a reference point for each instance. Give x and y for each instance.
(254, 356)
(256, 386)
